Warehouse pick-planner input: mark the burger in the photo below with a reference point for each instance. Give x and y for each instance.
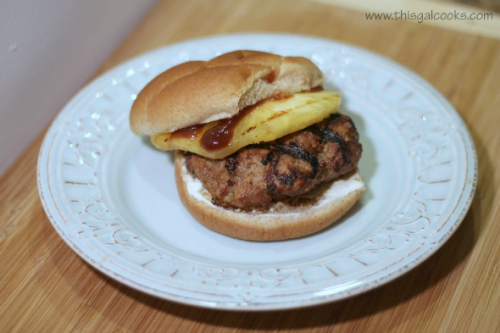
(262, 152)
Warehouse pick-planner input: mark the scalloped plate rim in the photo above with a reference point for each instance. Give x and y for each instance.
(50, 209)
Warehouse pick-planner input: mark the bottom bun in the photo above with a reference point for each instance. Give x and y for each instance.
(282, 220)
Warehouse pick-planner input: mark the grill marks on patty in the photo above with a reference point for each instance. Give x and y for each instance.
(294, 151)
(231, 163)
(285, 168)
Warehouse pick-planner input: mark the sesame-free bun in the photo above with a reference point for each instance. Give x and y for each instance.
(280, 221)
(198, 92)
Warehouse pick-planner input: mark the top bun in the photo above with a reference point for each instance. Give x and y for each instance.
(198, 92)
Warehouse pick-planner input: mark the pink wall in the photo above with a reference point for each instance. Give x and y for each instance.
(48, 49)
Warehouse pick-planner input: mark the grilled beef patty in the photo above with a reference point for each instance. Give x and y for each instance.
(288, 167)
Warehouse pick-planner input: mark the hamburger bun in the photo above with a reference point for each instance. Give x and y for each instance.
(200, 92)
(188, 94)
(282, 220)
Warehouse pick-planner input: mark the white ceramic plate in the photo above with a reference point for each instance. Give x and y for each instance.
(113, 198)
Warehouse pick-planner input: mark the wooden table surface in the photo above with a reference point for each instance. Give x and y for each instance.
(45, 286)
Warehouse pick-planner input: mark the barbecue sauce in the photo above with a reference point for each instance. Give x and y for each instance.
(188, 132)
(219, 136)
(280, 96)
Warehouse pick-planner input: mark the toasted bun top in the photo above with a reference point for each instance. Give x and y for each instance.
(198, 92)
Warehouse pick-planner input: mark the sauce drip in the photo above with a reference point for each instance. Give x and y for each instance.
(220, 135)
(280, 96)
(315, 89)
(188, 132)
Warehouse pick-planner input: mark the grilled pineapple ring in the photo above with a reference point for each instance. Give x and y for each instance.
(268, 121)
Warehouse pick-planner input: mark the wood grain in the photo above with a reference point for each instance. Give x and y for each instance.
(488, 25)
(46, 287)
